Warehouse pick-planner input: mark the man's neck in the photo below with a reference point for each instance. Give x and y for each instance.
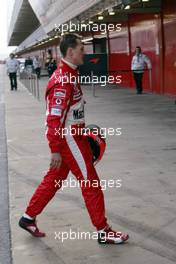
(69, 63)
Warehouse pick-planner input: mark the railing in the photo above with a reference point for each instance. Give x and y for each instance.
(30, 81)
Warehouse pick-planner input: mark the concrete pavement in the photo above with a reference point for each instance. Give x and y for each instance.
(5, 241)
(143, 158)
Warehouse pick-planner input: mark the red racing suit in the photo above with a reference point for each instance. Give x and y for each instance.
(65, 110)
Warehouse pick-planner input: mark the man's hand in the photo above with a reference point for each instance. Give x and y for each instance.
(55, 161)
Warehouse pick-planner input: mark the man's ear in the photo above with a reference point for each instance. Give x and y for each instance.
(69, 52)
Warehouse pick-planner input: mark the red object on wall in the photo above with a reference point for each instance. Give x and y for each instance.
(94, 60)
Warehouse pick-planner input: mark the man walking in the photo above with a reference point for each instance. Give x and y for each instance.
(69, 152)
(28, 65)
(37, 66)
(138, 64)
(50, 63)
(12, 65)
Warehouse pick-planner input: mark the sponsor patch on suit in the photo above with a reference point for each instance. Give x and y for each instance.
(56, 111)
(61, 93)
(58, 103)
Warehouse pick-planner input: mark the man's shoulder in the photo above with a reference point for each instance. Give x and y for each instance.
(59, 80)
(144, 56)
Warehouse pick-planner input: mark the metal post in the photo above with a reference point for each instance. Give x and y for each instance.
(150, 80)
(38, 92)
(92, 84)
(30, 84)
(34, 81)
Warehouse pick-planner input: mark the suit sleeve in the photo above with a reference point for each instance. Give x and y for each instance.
(7, 67)
(58, 100)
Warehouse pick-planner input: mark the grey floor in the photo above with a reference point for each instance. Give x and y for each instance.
(143, 158)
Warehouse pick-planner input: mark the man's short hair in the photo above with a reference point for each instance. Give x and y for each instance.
(138, 47)
(68, 40)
